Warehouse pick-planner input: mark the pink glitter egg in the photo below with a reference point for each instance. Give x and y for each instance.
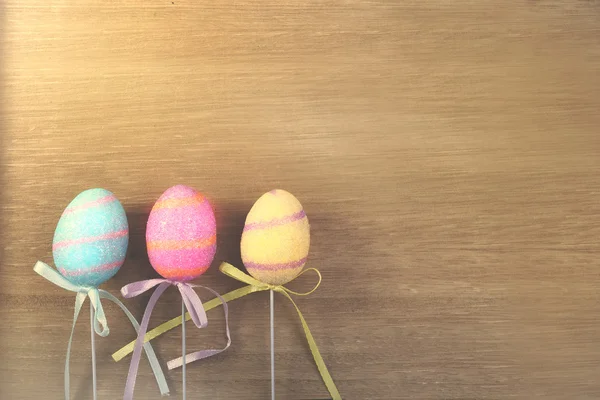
(181, 234)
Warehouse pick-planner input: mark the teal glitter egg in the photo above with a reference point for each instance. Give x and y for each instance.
(91, 238)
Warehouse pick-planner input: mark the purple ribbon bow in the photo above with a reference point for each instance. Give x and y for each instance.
(194, 306)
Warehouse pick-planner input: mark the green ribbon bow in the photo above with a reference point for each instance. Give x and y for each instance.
(254, 285)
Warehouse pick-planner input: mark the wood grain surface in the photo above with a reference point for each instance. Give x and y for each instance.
(447, 154)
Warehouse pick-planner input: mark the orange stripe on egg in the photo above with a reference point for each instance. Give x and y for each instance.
(181, 244)
(176, 273)
(179, 202)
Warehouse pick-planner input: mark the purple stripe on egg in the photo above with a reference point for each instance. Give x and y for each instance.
(275, 222)
(276, 266)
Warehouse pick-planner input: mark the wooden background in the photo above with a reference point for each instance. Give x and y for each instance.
(447, 154)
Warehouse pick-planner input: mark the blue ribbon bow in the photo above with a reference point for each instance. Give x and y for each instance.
(100, 323)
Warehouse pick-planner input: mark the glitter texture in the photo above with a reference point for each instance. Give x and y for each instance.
(181, 234)
(91, 238)
(275, 222)
(276, 238)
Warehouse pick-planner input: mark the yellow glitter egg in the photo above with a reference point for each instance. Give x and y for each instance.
(276, 238)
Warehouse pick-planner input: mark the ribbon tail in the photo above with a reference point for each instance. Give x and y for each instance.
(135, 360)
(100, 322)
(154, 364)
(199, 355)
(175, 322)
(327, 379)
(193, 304)
(79, 300)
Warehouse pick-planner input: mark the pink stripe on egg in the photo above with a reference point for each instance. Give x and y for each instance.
(90, 239)
(99, 268)
(276, 266)
(102, 200)
(275, 222)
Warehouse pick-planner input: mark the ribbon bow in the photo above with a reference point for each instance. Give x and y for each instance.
(254, 285)
(235, 273)
(196, 312)
(100, 322)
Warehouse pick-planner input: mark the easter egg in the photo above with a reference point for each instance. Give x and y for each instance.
(90, 240)
(276, 238)
(181, 234)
